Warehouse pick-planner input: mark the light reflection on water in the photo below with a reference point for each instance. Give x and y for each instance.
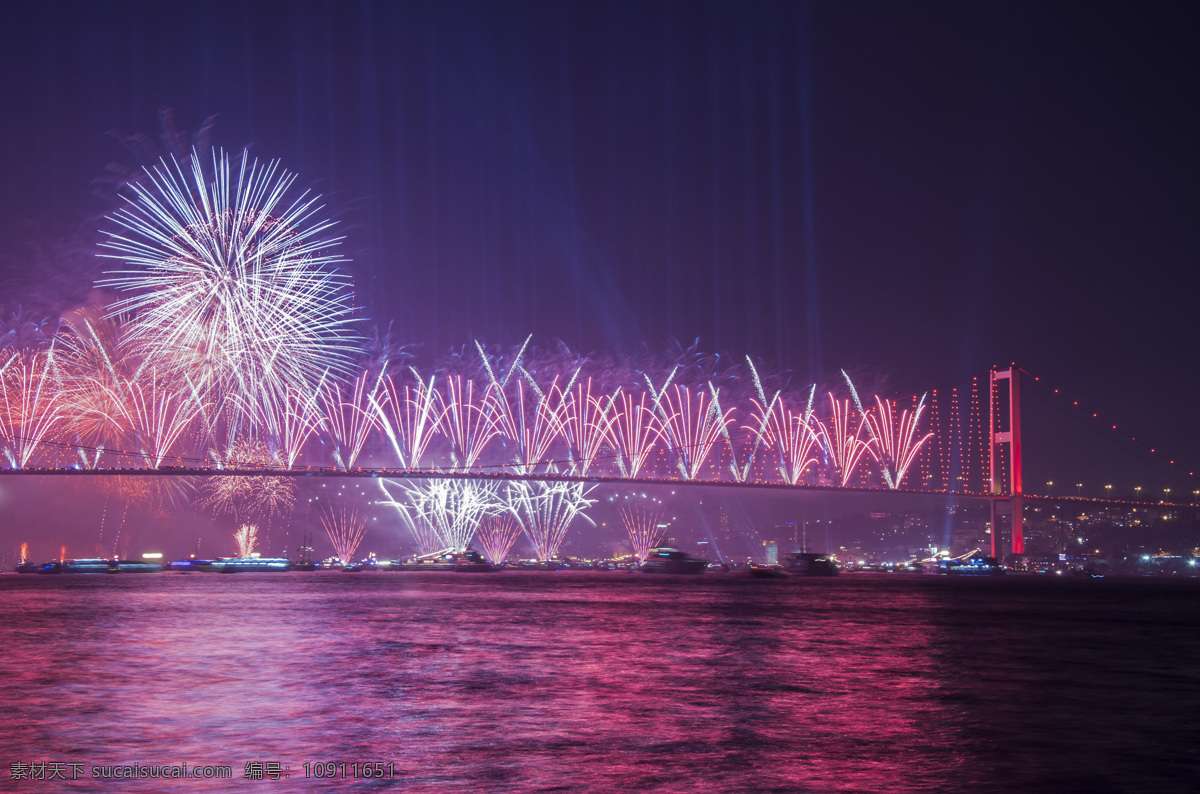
(607, 681)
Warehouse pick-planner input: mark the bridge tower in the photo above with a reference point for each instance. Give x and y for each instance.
(1005, 463)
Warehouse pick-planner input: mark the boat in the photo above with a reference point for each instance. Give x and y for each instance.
(441, 560)
(306, 562)
(89, 565)
(672, 561)
(471, 561)
(775, 571)
(543, 565)
(135, 566)
(810, 564)
(29, 567)
(191, 565)
(976, 565)
(249, 564)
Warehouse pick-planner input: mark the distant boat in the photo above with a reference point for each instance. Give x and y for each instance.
(768, 571)
(442, 560)
(306, 562)
(136, 566)
(977, 565)
(249, 564)
(672, 561)
(809, 564)
(471, 561)
(190, 565)
(29, 567)
(90, 565)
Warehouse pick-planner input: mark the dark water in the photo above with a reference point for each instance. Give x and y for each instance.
(606, 681)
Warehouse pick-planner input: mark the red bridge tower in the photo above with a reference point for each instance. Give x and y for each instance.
(1005, 463)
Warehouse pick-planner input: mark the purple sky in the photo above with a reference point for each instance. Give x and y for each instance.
(921, 189)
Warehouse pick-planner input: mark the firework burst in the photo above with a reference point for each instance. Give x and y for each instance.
(31, 403)
(843, 441)
(644, 527)
(347, 418)
(546, 510)
(246, 539)
(408, 417)
(691, 427)
(586, 424)
(345, 527)
(244, 496)
(497, 534)
(230, 282)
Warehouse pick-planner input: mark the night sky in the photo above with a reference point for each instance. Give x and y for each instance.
(916, 189)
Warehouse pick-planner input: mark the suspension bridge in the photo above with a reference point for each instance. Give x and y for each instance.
(969, 447)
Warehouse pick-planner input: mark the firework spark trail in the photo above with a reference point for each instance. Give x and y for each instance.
(533, 426)
(546, 510)
(453, 508)
(844, 449)
(512, 369)
(348, 418)
(790, 435)
(228, 281)
(158, 416)
(259, 497)
(632, 433)
(246, 539)
(467, 424)
(897, 443)
(96, 363)
(290, 419)
(497, 534)
(642, 524)
(24, 555)
(424, 535)
(32, 403)
(586, 424)
(346, 528)
(864, 419)
(409, 419)
(691, 429)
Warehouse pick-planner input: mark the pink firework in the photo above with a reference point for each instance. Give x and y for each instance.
(497, 534)
(789, 434)
(896, 438)
(465, 422)
(586, 424)
(690, 426)
(32, 403)
(530, 421)
(345, 527)
(158, 415)
(347, 418)
(842, 440)
(289, 418)
(645, 528)
(633, 432)
(546, 510)
(246, 539)
(408, 416)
